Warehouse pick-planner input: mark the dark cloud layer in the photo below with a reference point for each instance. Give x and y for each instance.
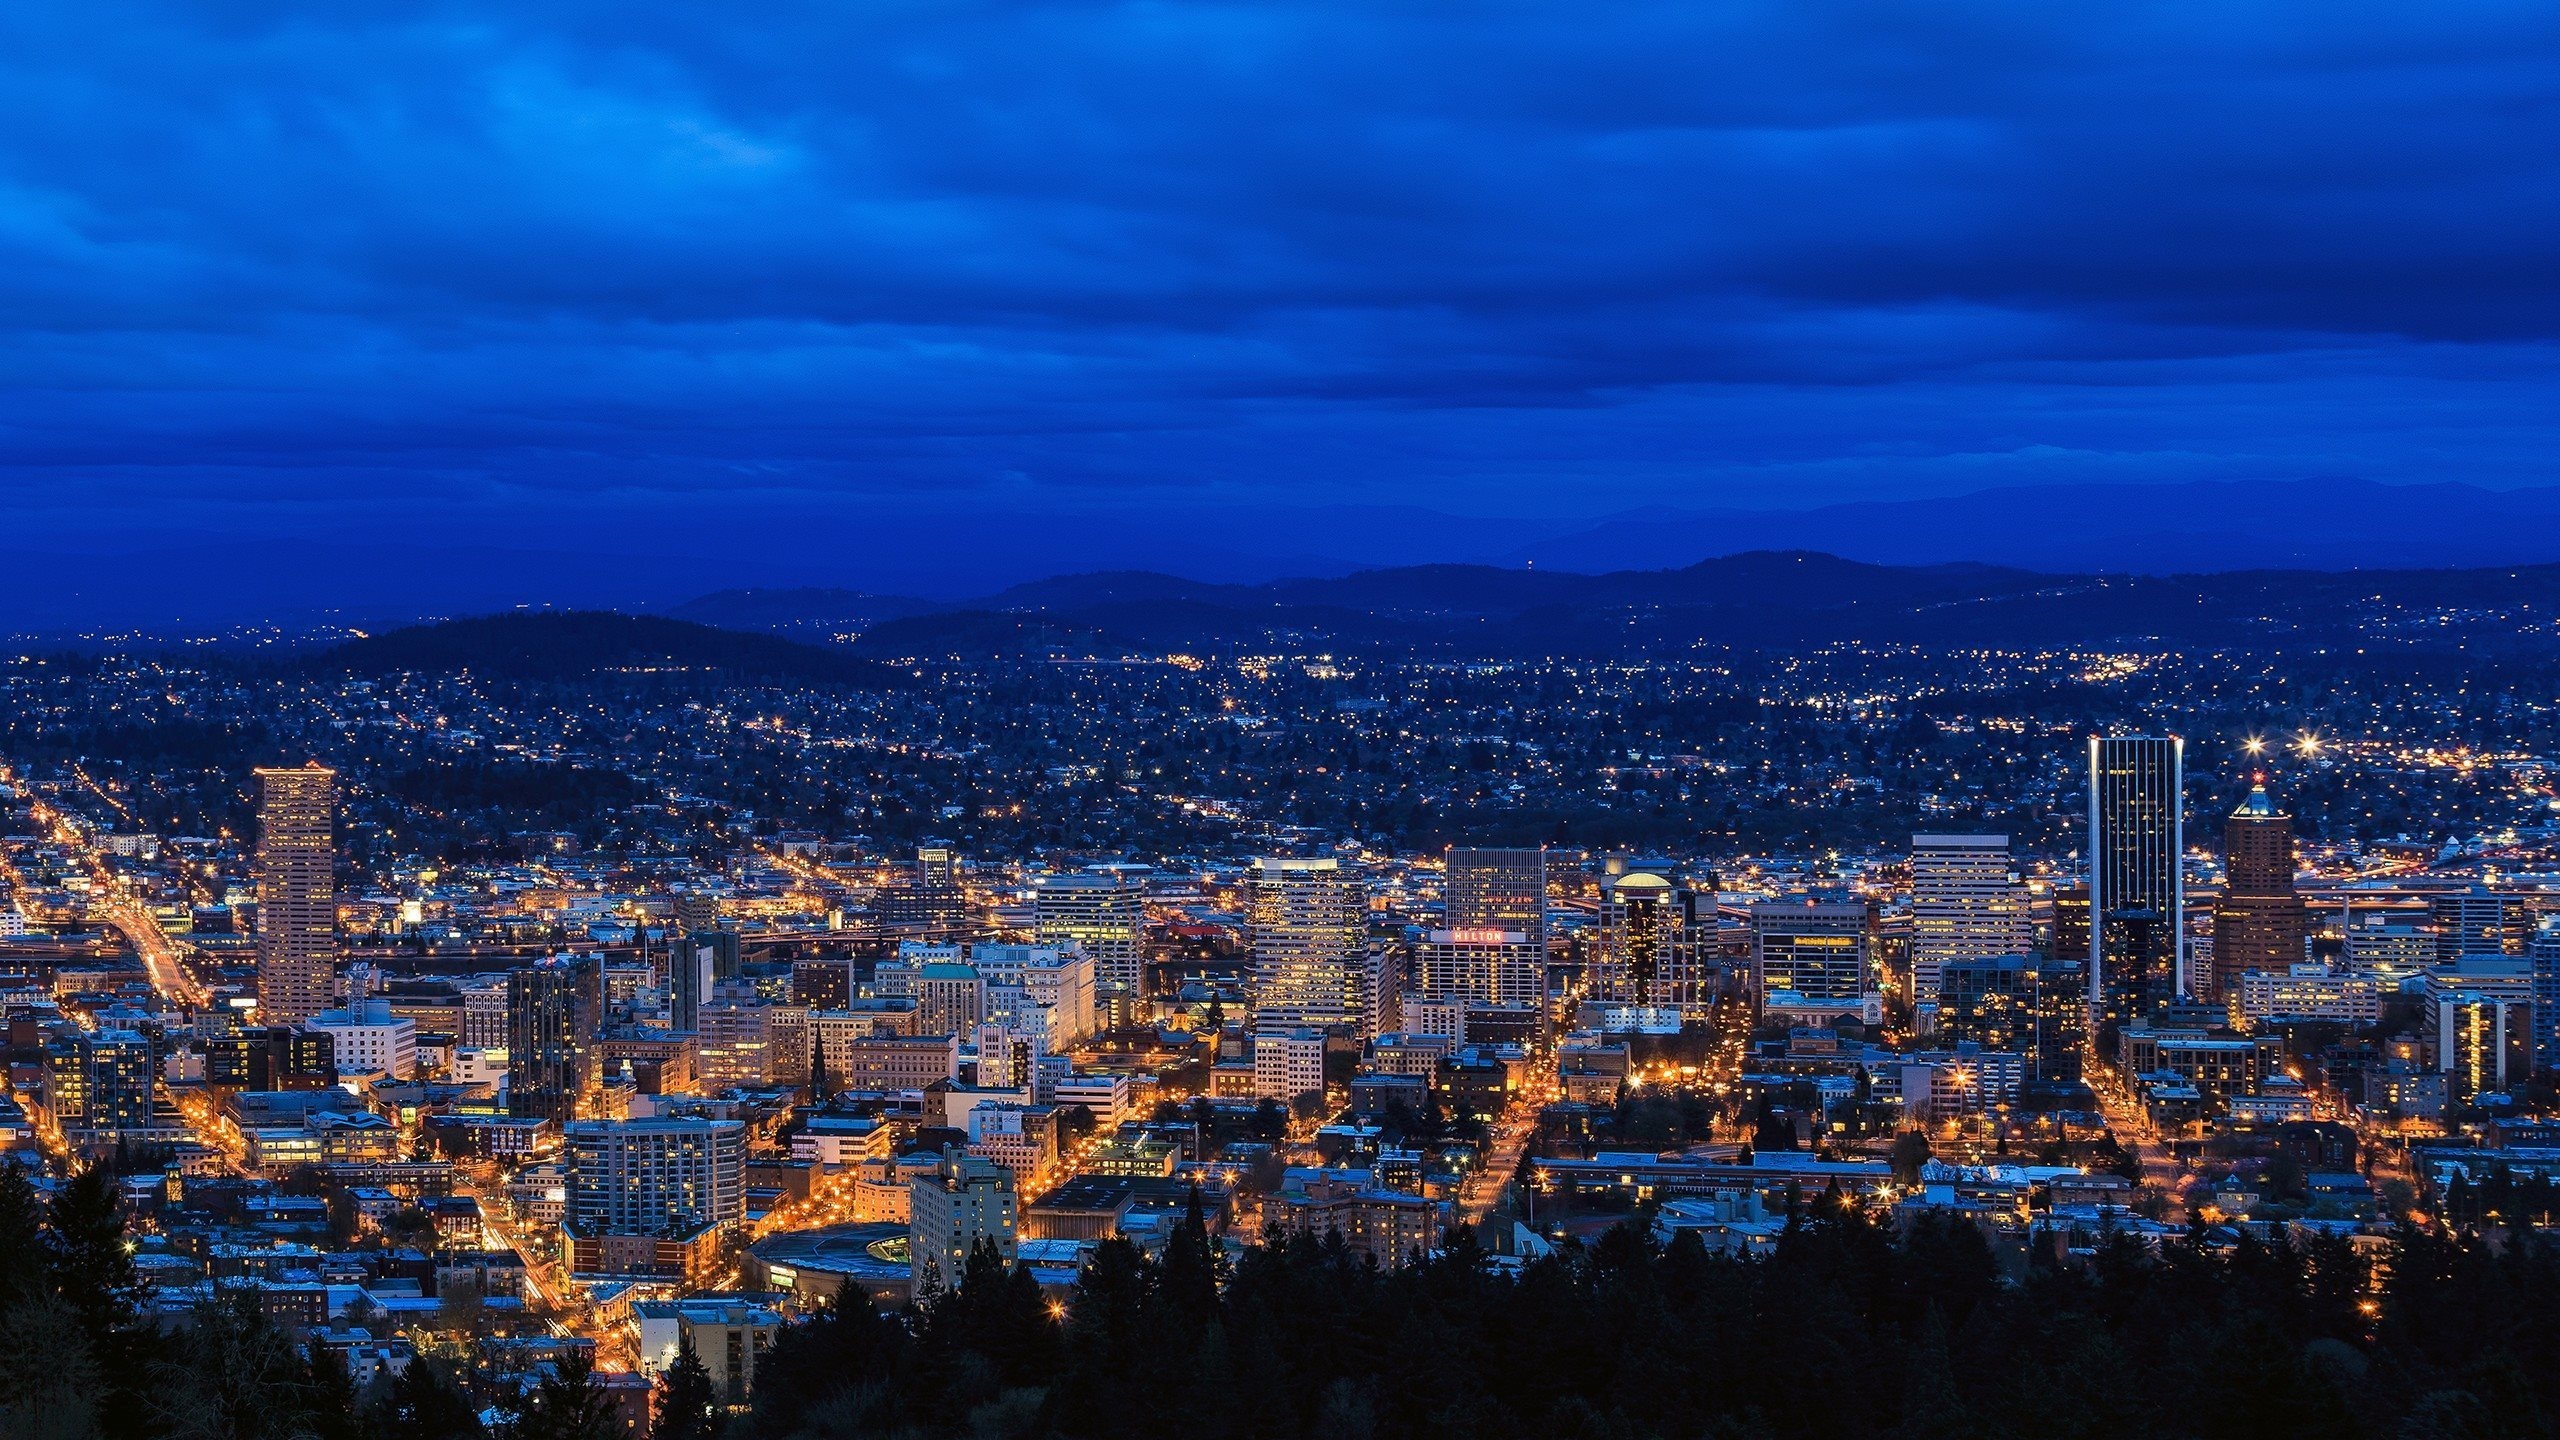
(436, 267)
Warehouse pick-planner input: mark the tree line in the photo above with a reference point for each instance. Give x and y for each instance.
(1851, 1328)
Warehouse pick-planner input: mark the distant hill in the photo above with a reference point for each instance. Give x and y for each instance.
(811, 612)
(2189, 527)
(1761, 600)
(552, 645)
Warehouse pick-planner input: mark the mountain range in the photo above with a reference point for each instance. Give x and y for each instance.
(1762, 600)
(807, 551)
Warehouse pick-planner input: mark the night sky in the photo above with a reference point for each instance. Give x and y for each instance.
(880, 293)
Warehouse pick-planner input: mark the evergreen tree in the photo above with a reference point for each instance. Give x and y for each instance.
(86, 1257)
(90, 1272)
(1188, 1280)
(686, 1409)
(567, 1404)
(841, 1346)
(424, 1403)
(330, 1396)
(23, 1259)
(233, 1375)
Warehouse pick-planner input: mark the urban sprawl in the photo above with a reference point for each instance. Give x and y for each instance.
(1282, 1044)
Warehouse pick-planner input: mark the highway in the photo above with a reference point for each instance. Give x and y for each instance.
(114, 903)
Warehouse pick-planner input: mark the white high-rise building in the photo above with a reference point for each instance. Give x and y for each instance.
(297, 892)
(1104, 915)
(1287, 1063)
(1967, 903)
(654, 1177)
(1310, 934)
(1055, 981)
(367, 1040)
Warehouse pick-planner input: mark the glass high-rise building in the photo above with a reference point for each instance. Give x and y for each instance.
(1813, 957)
(1967, 903)
(2137, 885)
(1655, 941)
(1104, 915)
(297, 892)
(1310, 933)
(554, 1009)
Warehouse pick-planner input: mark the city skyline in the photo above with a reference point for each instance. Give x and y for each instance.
(1084, 721)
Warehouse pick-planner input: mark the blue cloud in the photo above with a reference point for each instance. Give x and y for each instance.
(346, 267)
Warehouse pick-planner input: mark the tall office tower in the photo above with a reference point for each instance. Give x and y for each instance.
(1104, 915)
(1498, 890)
(2137, 887)
(1310, 937)
(1813, 958)
(1483, 966)
(553, 1009)
(938, 867)
(2024, 1004)
(821, 984)
(696, 965)
(2471, 922)
(2071, 935)
(787, 1043)
(951, 998)
(1655, 943)
(1046, 987)
(2259, 923)
(297, 894)
(484, 1013)
(732, 1046)
(1643, 914)
(655, 1177)
(1966, 903)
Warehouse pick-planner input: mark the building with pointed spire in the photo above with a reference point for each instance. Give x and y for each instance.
(2259, 923)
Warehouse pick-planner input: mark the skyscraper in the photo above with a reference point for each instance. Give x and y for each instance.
(99, 1083)
(964, 1200)
(2137, 887)
(1654, 944)
(697, 962)
(2544, 953)
(1310, 938)
(1966, 904)
(2473, 921)
(2259, 922)
(929, 902)
(1498, 890)
(2026, 1004)
(553, 1009)
(1105, 915)
(297, 894)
